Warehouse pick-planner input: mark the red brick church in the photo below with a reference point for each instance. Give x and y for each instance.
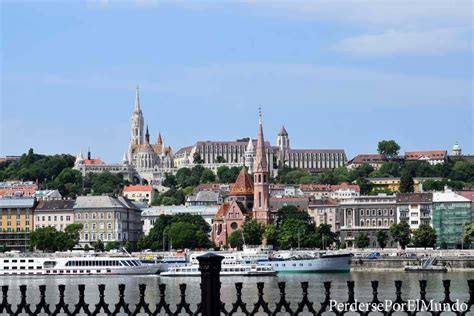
(249, 198)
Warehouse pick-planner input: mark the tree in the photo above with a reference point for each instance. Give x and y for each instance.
(197, 158)
(271, 235)
(207, 176)
(68, 182)
(227, 175)
(253, 232)
(324, 236)
(186, 235)
(362, 240)
(401, 233)
(220, 159)
(105, 182)
(389, 169)
(463, 171)
(364, 185)
(424, 236)
(169, 181)
(112, 245)
(44, 238)
(388, 148)
(235, 239)
(468, 233)
(183, 177)
(382, 238)
(291, 212)
(406, 183)
(99, 246)
(72, 231)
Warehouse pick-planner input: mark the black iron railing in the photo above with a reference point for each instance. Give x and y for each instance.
(211, 304)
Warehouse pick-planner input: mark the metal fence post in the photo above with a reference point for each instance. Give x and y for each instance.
(210, 267)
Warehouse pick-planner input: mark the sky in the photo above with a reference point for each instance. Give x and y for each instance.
(338, 74)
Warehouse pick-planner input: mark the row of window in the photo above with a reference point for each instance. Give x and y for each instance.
(102, 236)
(94, 215)
(102, 263)
(374, 212)
(376, 223)
(55, 218)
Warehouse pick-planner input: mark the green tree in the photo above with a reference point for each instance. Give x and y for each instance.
(328, 177)
(112, 245)
(98, 246)
(184, 235)
(68, 183)
(388, 148)
(362, 240)
(72, 232)
(389, 169)
(142, 243)
(291, 212)
(401, 233)
(220, 159)
(360, 172)
(197, 158)
(463, 171)
(364, 185)
(424, 236)
(183, 177)
(105, 182)
(235, 239)
(271, 235)
(44, 238)
(382, 238)
(468, 233)
(295, 232)
(324, 236)
(406, 183)
(169, 181)
(207, 176)
(253, 232)
(168, 201)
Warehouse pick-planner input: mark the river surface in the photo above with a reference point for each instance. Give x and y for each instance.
(363, 290)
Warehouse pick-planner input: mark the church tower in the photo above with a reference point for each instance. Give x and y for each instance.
(261, 175)
(137, 122)
(249, 155)
(283, 143)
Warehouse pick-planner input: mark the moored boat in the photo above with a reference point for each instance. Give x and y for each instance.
(226, 270)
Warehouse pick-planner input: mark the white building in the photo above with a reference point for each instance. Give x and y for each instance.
(108, 218)
(415, 209)
(55, 213)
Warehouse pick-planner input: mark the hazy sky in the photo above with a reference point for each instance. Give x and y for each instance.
(338, 74)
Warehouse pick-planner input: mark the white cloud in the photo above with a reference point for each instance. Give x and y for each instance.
(398, 42)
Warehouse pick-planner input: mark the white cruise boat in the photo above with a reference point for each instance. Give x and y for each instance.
(226, 270)
(74, 265)
(299, 261)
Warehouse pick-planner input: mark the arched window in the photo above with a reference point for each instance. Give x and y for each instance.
(362, 222)
(368, 222)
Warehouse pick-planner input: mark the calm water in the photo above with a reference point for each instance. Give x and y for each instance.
(362, 280)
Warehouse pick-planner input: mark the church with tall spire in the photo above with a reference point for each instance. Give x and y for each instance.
(149, 160)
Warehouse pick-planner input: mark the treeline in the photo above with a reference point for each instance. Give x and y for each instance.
(56, 172)
(181, 231)
(50, 240)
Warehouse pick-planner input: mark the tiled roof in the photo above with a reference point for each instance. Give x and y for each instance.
(93, 162)
(184, 150)
(222, 211)
(328, 187)
(322, 202)
(414, 197)
(431, 154)
(467, 194)
(135, 188)
(368, 158)
(4, 203)
(55, 205)
(103, 201)
(243, 185)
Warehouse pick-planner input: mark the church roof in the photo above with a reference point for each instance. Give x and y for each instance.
(243, 185)
(222, 211)
(283, 131)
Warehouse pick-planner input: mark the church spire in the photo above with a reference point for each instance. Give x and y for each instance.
(260, 164)
(137, 100)
(147, 136)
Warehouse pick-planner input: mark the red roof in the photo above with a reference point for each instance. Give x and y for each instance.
(135, 188)
(93, 162)
(243, 185)
(431, 154)
(467, 194)
(369, 158)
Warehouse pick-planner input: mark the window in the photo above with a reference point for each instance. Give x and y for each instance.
(234, 225)
(109, 225)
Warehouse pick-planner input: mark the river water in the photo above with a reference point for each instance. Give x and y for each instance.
(363, 290)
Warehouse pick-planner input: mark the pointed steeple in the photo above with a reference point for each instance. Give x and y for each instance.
(159, 141)
(260, 164)
(250, 146)
(283, 131)
(137, 100)
(147, 136)
(125, 158)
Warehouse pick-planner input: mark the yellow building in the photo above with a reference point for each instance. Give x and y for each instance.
(393, 183)
(16, 217)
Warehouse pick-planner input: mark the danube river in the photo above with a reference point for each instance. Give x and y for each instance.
(363, 290)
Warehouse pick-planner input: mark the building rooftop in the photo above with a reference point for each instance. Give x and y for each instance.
(58, 205)
(448, 196)
(137, 188)
(204, 196)
(15, 203)
(103, 201)
(414, 197)
(243, 185)
(431, 154)
(180, 209)
(368, 158)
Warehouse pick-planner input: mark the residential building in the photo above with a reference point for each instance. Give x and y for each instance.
(374, 160)
(336, 191)
(415, 209)
(150, 215)
(276, 203)
(16, 223)
(470, 196)
(450, 212)
(433, 157)
(368, 215)
(139, 193)
(204, 198)
(17, 189)
(393, 183)
(56, 213)
(108, 218)
(324, 211)
(47, 194)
